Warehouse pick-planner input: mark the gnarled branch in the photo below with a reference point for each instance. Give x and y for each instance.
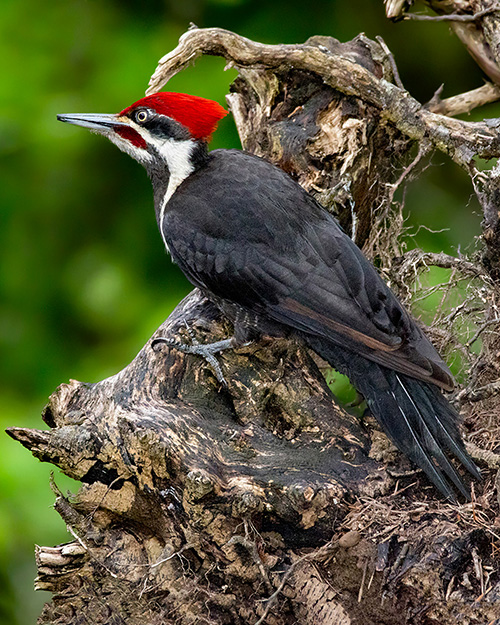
(267, 501)
(461, 140)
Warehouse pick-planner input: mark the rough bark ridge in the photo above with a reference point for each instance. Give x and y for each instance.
(266, 502)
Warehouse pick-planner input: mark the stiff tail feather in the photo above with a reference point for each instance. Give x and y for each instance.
(414, 414)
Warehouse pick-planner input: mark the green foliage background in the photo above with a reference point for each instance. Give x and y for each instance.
(84, 279)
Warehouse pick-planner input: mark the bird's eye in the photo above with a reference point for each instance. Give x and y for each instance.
(141, 116)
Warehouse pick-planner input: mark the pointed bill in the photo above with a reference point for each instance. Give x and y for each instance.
(93, 121)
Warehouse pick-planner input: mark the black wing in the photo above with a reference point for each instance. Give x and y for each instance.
(244, 230)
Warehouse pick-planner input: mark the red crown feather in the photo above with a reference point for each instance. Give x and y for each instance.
(197, 114)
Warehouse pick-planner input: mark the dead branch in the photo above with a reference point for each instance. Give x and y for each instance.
(340, 69)
(452, 17)
(267, 501)
(465, 102)
(461, 140)
(475, 22)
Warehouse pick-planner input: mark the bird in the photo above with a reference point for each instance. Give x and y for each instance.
(276, 263)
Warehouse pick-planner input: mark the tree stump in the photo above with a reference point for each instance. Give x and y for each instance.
(266, 501)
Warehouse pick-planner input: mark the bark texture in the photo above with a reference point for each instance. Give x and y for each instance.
(266, 501)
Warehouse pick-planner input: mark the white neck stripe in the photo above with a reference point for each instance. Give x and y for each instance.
(177, 157)
(175, 154)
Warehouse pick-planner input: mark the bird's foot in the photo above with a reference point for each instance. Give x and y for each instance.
(207, 351)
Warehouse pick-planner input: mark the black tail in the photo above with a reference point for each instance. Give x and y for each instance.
(414, 414)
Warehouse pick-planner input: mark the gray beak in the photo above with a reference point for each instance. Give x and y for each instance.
(93, 121)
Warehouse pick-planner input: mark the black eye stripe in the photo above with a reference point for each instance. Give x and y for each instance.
(166, 127)
(160, 126)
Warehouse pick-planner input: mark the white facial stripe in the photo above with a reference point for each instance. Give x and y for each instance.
(139, 154)
(177, 156)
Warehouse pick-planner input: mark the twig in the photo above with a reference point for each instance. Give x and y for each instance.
(87, 550)
(483, 392)
(272, 599)
(426, 293)
(362, 585)
(478, 568)
(481, 329)
(176, 553)
(451, 17)
(423, 149)
(446, 293)
(418, 258)
(320, 554)
(465, 102)
(392, 62)
(251, 547)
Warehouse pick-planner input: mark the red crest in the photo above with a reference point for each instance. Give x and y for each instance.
(197, 114)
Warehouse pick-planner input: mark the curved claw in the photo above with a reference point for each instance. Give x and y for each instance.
(160, 340)
(206, 351)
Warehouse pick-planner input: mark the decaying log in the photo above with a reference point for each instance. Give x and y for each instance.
(173, 464)
(198, 502)
(266, 501)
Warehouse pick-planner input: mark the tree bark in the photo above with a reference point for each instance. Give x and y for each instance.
(267, 501)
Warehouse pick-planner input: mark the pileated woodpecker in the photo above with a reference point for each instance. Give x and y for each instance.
(276, 263)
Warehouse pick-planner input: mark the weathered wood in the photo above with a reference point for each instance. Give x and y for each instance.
(171, 463)
(266, 501)
(344, 141)
(197, 501)
(461, 140)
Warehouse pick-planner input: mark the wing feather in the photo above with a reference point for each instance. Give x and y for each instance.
(290, 261)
